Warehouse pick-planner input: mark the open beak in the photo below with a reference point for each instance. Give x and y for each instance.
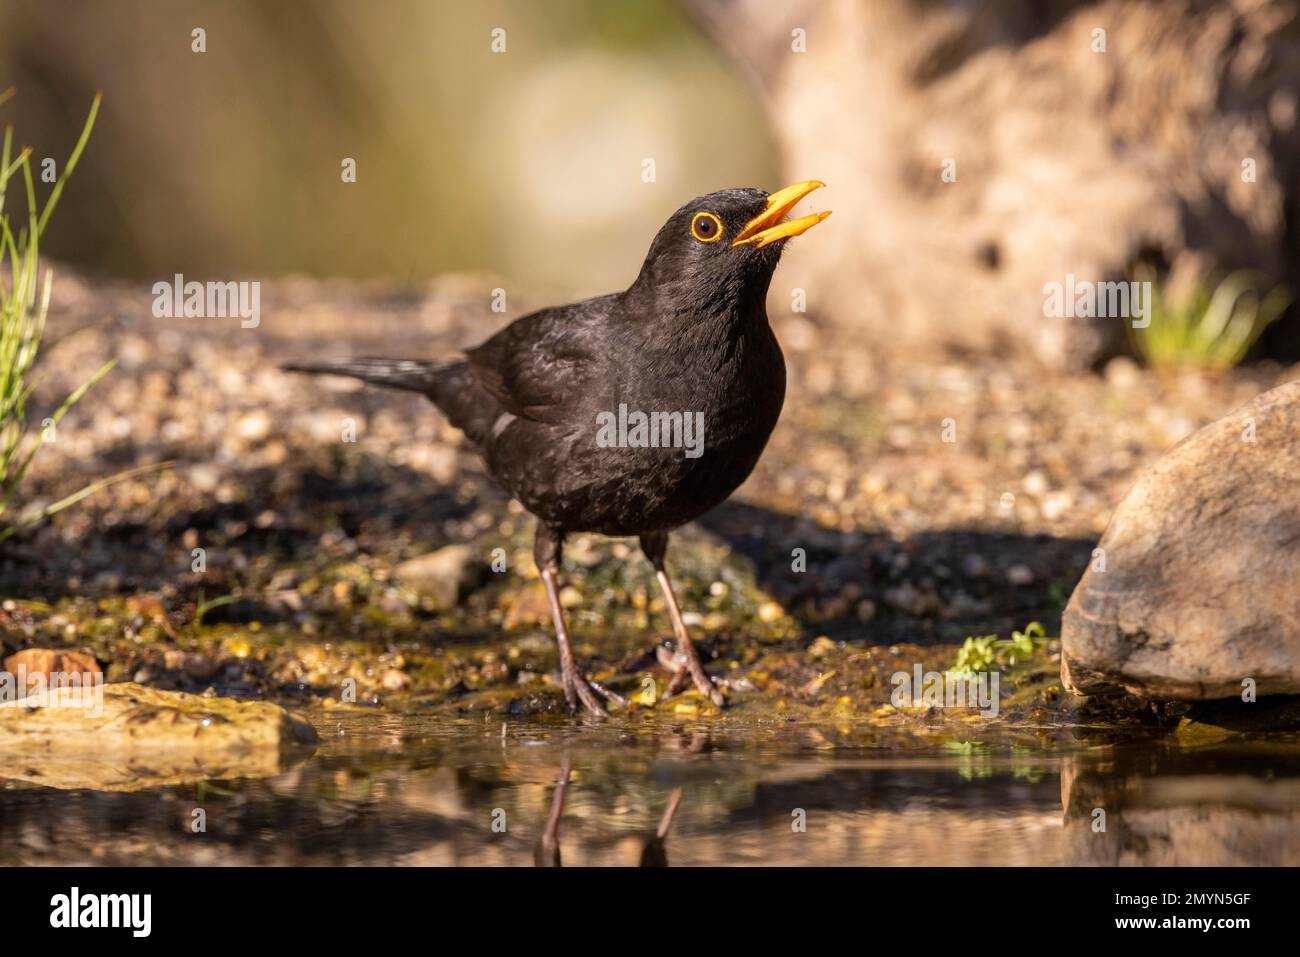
(766, 227)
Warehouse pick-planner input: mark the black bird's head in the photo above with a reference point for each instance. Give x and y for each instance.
(718, 252)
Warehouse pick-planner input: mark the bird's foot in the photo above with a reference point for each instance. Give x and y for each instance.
(686, 667)
(587, 693)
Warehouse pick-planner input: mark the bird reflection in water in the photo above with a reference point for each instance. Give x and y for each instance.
(643, 850)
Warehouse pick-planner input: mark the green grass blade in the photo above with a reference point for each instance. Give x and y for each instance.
(83, 492)
(12, 483)
(70, 165)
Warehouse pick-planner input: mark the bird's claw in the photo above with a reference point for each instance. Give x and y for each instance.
(683, 673)
(584, 691)
(618, 700)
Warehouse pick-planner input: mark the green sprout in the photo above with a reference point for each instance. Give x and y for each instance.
(1211, 328)
(203, 607)
(987, 652)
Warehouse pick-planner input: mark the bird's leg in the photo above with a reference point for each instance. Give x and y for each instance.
(655, 851)
(576, 687)
(655, 546)
(666, 821)
(547, 851)
(547, 550)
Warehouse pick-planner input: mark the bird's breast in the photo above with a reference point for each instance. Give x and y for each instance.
(677, 438)
(655, 443)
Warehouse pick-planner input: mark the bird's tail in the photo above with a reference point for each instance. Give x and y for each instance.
(450, 385)
(413, 375)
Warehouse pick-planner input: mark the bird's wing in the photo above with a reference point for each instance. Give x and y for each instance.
(541, 365)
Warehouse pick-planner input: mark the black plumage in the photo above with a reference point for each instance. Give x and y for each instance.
(689, 336)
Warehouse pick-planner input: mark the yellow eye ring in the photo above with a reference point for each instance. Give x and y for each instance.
(706, 227)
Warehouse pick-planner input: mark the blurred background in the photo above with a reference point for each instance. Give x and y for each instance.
(526, 164)
(974, 152)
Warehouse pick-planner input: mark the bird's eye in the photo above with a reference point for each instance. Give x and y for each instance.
(706, 227)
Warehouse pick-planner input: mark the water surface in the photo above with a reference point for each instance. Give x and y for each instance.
(390, 789)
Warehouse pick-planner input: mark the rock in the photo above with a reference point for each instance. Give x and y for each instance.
(1202, 561)
(125, 737)
(26, 665)
(193, 663)
(151, 608)
(822, 647)
(911, 600)
(287, 600)
(443, 577)
(253, 427)
(529, 606)
(1123, 373)
(1020, 575)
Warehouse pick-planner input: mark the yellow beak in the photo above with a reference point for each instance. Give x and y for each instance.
(767, 227)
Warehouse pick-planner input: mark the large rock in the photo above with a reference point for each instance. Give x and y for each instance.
(125, 737)
(1201, 587)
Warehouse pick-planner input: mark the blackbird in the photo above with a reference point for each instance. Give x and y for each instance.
(633, 413)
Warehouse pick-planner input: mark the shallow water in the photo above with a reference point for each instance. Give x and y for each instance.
(386, 789)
